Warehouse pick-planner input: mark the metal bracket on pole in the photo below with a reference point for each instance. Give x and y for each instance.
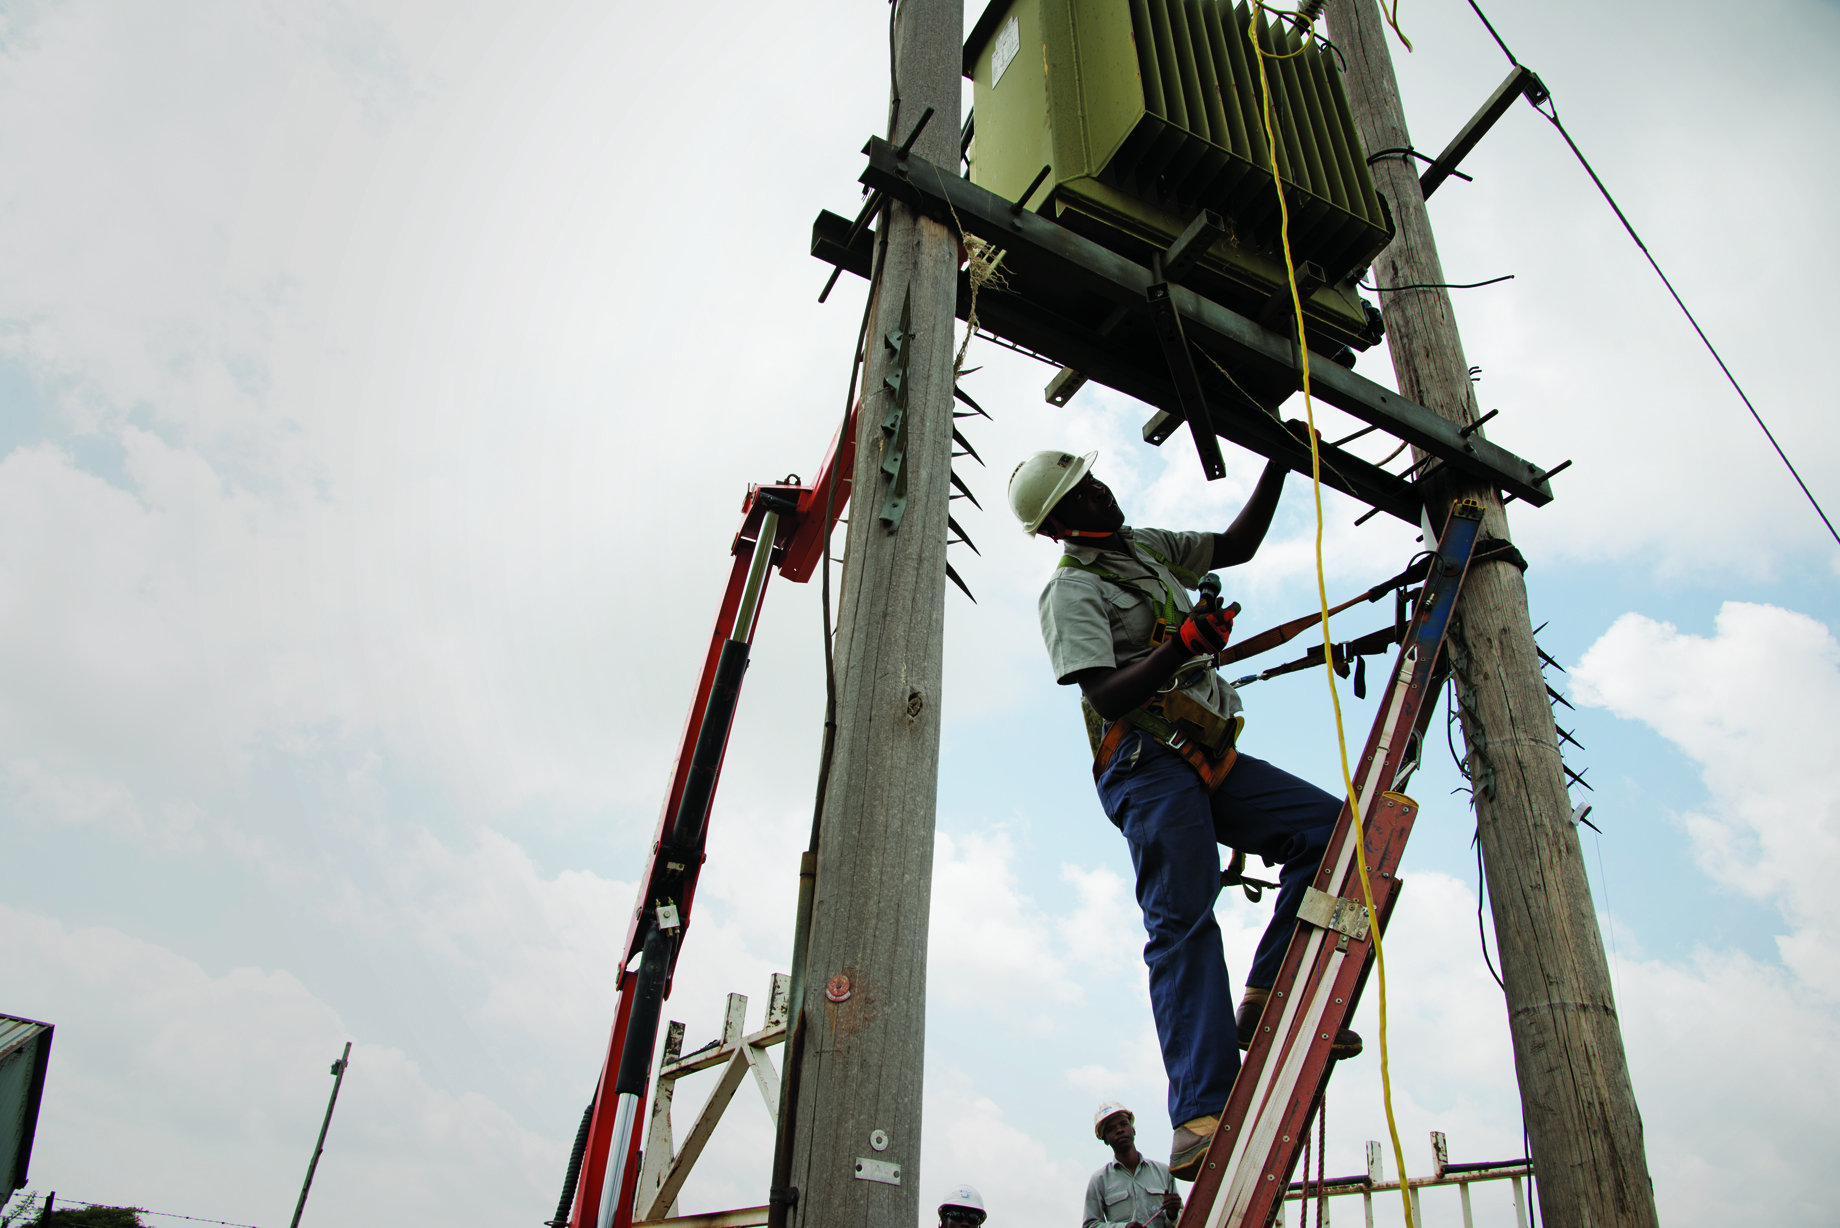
(1522, 82)
(1332, 912)
(1192, 244)
(1188, 384)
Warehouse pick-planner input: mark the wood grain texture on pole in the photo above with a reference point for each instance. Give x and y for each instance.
(865, 988)
(1580, 1107)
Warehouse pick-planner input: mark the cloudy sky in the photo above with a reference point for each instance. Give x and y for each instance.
(380, 385)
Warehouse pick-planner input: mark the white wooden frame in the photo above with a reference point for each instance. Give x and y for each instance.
(664, 1170)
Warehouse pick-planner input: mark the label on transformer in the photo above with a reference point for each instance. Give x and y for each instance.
(1009, 42)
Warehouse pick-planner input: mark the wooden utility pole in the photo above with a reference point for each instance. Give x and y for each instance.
(856, 1102)
(1568, 1047)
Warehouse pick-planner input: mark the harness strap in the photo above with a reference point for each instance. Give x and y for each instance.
(1168, 612)
(1213, 772)
(1203, 739)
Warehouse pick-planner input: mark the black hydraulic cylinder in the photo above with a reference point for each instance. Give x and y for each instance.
(642, 1024)
(706, 759)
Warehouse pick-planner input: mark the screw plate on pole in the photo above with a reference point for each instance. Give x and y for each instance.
(878, 1170)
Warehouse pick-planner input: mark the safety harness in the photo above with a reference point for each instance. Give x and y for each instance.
(1203, 738)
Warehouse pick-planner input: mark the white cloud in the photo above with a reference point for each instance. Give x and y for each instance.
(77, 799)
(204, 1093)
(1106, 930)
(969, 1139)
(1754, 705)
(989, 947)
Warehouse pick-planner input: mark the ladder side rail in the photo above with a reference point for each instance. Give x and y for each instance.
(1254, 1086)
(1333, 999)
(1267, 1077)
(1251, 1198)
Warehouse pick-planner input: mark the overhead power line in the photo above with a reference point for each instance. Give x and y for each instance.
(197, 1219)
(1551, 113)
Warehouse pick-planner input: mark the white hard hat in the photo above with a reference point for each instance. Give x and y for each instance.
(963, 1196)
(1039, 482)
(1111, 1108)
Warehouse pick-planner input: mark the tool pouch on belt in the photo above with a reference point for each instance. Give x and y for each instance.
(1203, 738)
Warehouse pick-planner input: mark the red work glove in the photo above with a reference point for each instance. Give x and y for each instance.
(1207, 631)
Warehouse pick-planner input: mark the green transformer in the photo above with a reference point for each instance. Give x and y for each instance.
(1146, 112)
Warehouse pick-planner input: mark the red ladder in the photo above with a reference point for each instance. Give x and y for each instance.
(1243, 1179)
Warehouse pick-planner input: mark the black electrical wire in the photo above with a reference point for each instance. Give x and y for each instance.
(894, 74)
(197, 1219)
(1482, 934)
(830, 510)
(1533, 1204)
(1490, 26)
(1438, 285)
(1551, 114)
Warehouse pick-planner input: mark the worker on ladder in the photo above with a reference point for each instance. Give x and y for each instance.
(1163, 725)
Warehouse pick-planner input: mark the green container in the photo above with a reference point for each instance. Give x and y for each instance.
(1149, 111)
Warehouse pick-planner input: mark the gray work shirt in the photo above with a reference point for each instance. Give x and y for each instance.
(1117, 1196)
(1088, 621)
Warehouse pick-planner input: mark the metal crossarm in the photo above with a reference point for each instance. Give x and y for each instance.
(1247, 1169)
(1059, 300)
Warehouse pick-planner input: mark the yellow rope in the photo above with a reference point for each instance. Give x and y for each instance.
(1322, 588)
(1392, 19)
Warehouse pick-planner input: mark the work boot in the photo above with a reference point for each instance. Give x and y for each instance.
(1189, 1146)
(1251, 1006)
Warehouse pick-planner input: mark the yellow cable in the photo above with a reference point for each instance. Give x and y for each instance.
(1392, 19)
(1322, 591)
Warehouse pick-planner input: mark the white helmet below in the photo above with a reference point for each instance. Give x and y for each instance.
(1039, 483)
(1107, 1111)
(963, 1197)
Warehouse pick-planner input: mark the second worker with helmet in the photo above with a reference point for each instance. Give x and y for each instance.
(1163, 726)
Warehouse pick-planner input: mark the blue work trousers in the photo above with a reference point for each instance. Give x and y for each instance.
(1175, 830)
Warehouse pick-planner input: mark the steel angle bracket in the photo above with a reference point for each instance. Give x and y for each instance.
(1333, 912)
(1188, 384)
(1063, 286)
(1522, 82)
(894, 422)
